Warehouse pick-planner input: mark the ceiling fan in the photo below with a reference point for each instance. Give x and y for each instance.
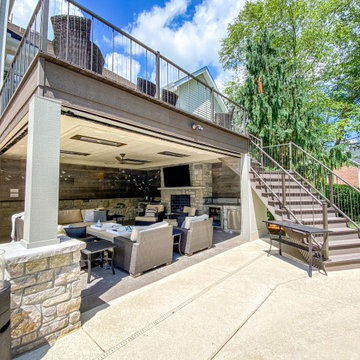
(122, 160)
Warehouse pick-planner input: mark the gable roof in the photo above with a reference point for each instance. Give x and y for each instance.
(203, 71)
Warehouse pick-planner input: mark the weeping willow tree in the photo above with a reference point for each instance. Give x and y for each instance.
(275, 98)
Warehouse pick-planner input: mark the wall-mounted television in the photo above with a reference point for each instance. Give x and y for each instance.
(176, 176)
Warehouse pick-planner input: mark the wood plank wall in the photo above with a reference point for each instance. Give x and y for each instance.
(80, 187)
(225, 183)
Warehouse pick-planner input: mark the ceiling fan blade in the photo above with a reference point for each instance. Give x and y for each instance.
(137, 160)
(132, 162)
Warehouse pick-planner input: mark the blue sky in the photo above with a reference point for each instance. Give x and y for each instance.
(188, 32)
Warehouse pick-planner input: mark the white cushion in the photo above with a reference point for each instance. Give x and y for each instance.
(159, 207)
(191, 211)
(89, 215)
(189, 219)
(137, 229)
(146, 218)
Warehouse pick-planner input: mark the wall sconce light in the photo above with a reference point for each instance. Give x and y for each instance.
(197, 127)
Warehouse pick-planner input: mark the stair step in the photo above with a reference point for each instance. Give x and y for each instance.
(308, 203)
(343, 261)
(308, 210)
(340, 247)
(278, 187)
(342, 233)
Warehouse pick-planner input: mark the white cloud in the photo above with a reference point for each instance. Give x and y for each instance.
(197, 41)
(192, 45)
(23, 10)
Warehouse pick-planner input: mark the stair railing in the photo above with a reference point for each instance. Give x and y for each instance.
(328, 185)
(280, 184)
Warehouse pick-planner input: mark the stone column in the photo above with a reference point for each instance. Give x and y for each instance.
(45, 292)
(253, 211)
(42, 173)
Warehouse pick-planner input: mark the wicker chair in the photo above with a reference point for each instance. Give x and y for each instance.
(197, 235)
(146, 86)
(224, 119)
(151, 248)
(72, 42)
(169, 97)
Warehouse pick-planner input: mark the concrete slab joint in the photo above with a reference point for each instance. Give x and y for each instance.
(45, 292)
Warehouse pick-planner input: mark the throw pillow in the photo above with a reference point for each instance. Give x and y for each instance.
(150, 211)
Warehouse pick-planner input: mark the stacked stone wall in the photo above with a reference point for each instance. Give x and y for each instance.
(45, 299)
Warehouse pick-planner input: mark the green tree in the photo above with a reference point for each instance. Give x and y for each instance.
(273, 95)
(321, 37)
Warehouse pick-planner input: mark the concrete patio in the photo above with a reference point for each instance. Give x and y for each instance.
(240, 304)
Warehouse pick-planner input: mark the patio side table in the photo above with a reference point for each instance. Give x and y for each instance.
(96, 247)
(177, 236)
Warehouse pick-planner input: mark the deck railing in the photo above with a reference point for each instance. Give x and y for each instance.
(327, 184)
(72, 33)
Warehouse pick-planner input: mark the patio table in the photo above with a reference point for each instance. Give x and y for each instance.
(96, 247)
(308, 231)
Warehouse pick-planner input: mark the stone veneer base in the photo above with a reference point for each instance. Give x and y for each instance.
(45, 292)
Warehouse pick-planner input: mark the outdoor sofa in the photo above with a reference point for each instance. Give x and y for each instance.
(73, 217)
(146, 247)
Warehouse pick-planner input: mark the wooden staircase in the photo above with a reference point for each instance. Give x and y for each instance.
(289, 198)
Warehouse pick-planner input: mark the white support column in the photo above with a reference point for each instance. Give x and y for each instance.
(42, 173)
(253, 211)
(4, 13)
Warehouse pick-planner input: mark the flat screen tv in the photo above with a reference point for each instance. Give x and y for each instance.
(176, 176)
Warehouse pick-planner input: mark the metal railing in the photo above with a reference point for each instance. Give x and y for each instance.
(326, 183)
(29, 46)
(286, 194)
(72, 33)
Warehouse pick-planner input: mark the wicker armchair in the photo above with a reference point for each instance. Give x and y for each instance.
(152, 247)
(224, 119)
(146, 86)
(197, 235)
(72, 42)
(169, 97)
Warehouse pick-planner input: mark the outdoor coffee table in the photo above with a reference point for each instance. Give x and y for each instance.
(96, 247)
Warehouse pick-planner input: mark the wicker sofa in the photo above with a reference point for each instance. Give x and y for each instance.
(145, 248)
(75, 217)
(197, 234)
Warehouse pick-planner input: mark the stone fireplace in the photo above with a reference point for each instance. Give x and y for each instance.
(179, 201)
(201, 187)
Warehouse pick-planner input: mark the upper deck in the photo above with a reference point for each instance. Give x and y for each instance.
(95, 68)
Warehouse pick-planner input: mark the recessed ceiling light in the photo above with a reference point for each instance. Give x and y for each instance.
(169, 153)
(68, 152)
(97, 140)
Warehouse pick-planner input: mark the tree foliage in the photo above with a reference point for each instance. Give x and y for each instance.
(320, 43)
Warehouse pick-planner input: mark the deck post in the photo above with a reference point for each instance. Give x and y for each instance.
(325, 226)
(42, 173)
(157, 76)
(253, 211)
(44, 26)
(4, 12)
